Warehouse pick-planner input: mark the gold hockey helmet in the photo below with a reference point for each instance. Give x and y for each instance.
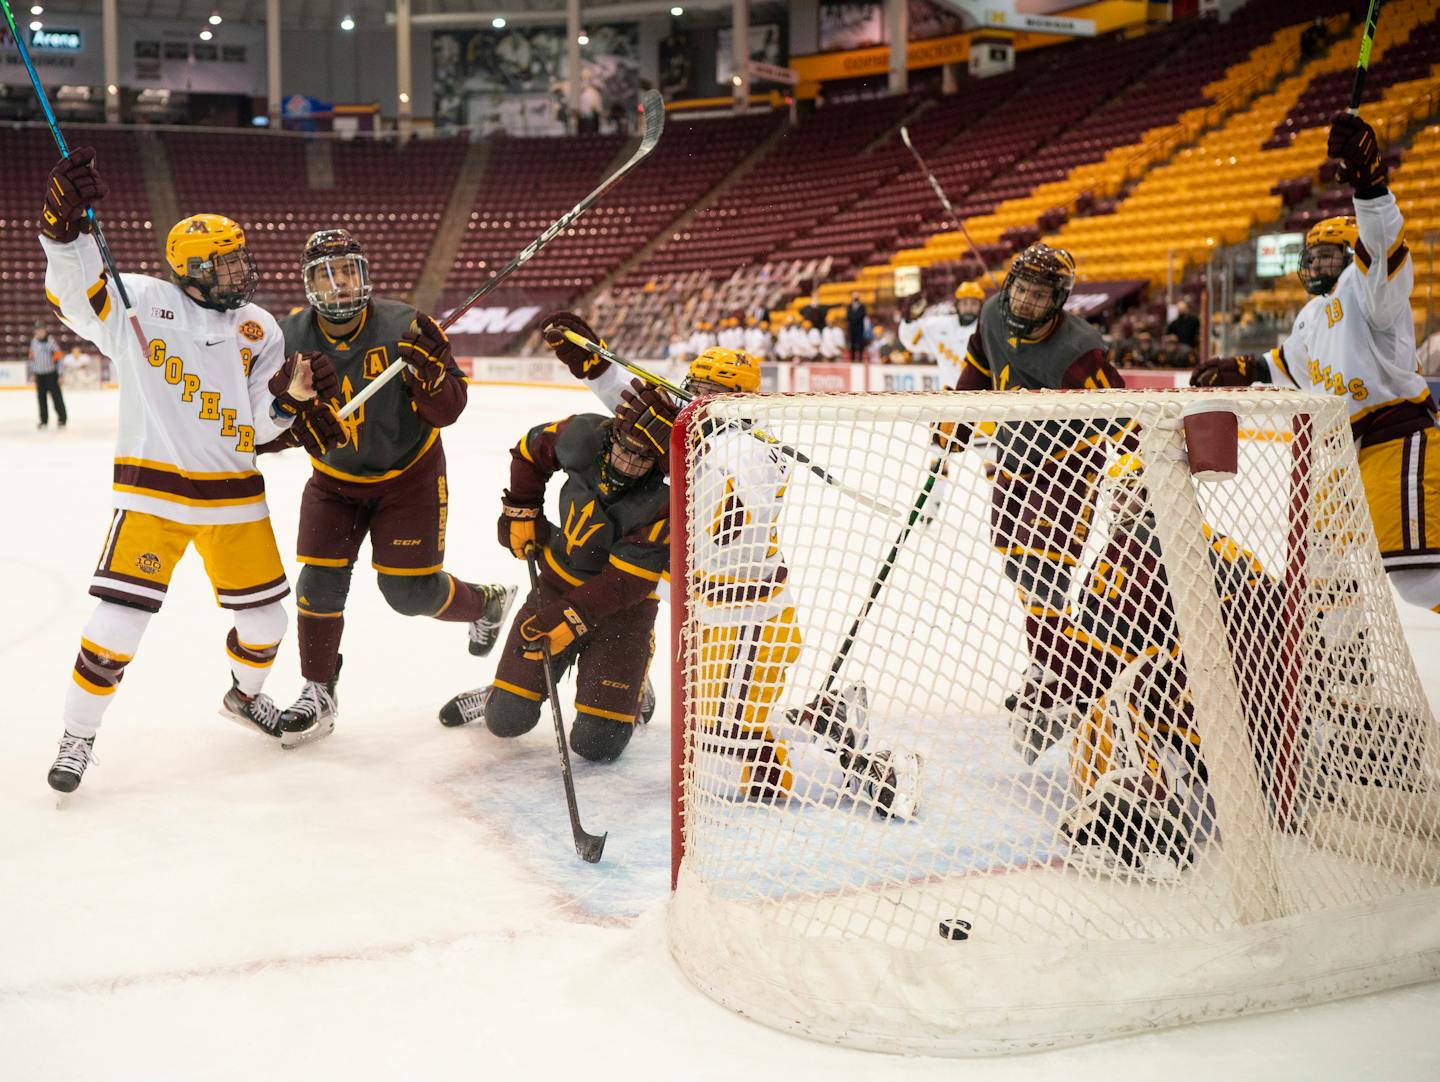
(1329, 247)
(208, 253)
(730, 369)
(969, 291)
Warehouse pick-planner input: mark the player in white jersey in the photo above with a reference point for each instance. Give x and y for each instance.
(1355, 339)
(208, 385)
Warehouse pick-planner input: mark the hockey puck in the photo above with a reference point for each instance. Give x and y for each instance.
(954, 928)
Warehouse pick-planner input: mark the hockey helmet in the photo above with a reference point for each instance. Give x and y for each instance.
(1125, 481)
(1329, 248)
(969, 291)
(336, 274)
(207, 253)
(1036, 288)
(723, 370)
(968, 299)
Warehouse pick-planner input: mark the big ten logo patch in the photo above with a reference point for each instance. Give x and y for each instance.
(441, 492)
(251, 331)
(148, 563)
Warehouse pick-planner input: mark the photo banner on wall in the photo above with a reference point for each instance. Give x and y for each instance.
(515, 79)
(860, 24)
(765, 46)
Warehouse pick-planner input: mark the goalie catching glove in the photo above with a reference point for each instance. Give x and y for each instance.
(552, 630)
(427, 351)
(301, 386)
(1231, 372)
(583, 364)
(522, 525)
(74, 186)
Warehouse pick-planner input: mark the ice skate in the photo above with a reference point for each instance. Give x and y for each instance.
(256, 711)
(485, 632)
(647, 702)
(75, 755)
(890, 780)
(840, 720)
(1038, 719)
(466, 707)
(312, 716)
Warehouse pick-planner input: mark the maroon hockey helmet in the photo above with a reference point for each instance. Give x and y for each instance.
(1036, 288)
(336, 274)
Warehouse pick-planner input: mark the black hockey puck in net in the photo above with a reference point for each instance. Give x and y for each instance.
(954, 928)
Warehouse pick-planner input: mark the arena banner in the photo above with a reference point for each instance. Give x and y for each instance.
(859, 24)
(1090, 299)
(515, 79)
(764, 46)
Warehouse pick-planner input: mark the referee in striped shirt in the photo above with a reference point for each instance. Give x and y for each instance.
(45, 368)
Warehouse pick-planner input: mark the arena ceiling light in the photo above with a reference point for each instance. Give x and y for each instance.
(498, 22)
(206, 35)
(215, 19)
(677, 11)
(37, 9)
(583, 39)
(36, 24)
(347, 23)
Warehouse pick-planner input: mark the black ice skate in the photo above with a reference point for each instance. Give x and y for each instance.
(1038, 718)
(252, 711)
(485, 632)
(840, 720)
(75, 755)
(466, 707)
(312, 716)
(890, 781)
(647, 702)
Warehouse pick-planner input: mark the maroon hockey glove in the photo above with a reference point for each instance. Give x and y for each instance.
(582, 363)
(1353, 142)
(522, 525)
(74, 186)
(294, 383)
(319, 430)
(912, 308)
(552, 630)
(427, 351)
(648, 414)
(1230, 372)
(323, 377)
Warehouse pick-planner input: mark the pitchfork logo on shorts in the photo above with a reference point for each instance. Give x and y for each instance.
(148, 563)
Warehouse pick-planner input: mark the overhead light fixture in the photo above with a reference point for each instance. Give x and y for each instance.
(583, 39)
(404, 99)
(736, 80)
(205, 35)
(498, 22)
(347, 23)
(677, 11)
(215, 19)
(37, 9)
(112, 90)
(36, 24)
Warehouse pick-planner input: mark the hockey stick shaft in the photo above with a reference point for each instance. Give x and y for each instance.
(937, 466)
(764, 437)
(589, 846)
(945, 202)
(59, 137)
(1362, 65)
(653, 107)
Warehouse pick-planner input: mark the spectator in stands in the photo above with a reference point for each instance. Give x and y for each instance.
(882, 345)
(1144, 349)
(731, 335)
(1185, 326)
(44, 365)
(807, 342)
(703, 338)
(1312, 41)
(814, 311)
(833, 337)
(855, 316)
(758, 342)
(679, 348)
(1174, 353)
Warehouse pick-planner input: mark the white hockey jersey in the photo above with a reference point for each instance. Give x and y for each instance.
(193, 404)
(940, 337)
(833, 343)
(1358, 341)
(731, 338)
(758, 342)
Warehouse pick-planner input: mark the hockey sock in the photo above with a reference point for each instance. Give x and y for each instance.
(253, 643)
(319, 634)
(463, 604)
(109, 641)
(1050, 648)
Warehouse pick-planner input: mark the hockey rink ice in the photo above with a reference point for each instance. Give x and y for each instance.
(403, 900)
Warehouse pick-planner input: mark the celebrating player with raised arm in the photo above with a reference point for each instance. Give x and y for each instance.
(386, 481)
(1045, 470)
(211, 383)
(1355, 338)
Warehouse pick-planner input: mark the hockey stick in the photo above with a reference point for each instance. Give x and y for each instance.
(877, 584)
(589, 846)
(652, 106)
(945, 202)
(1362, 65)
(764, 437)
(95, 229)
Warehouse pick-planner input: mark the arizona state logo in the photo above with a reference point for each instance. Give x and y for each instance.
(252, 330)
(148, 563)
(576, 532)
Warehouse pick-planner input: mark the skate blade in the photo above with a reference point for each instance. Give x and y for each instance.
(476, 650)
(291, 741)
(242, 721)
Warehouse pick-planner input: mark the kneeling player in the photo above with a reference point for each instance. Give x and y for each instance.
(598, 572)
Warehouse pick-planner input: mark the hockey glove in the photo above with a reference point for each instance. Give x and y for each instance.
(551, 630)
(582, 363)
(912, 308)
(1353, 143)
(522, 525)
(1231, 372)
(74, 186)
(427, 351)
(295, 383)
(319, 430)
(649, 414)
(950, 436)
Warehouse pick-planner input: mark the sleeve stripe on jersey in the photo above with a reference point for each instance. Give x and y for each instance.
(524, 448)
(1362, 257)
(100, 296)
(631, 569)
(1396, 259)
(1278, 356)
(973, 363)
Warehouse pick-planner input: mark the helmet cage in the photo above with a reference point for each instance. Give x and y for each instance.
(225, 280)
(1319, 275)
(1031, 269)
(327, 295)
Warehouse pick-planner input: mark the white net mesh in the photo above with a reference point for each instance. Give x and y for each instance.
(1081, 746)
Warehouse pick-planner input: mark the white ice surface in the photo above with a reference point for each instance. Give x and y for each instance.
(401, 900)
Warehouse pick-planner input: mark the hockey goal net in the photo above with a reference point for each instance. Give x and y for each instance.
(1045, 739)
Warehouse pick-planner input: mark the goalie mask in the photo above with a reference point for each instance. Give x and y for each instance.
(1036, 288)
(207, 253)
(968, 299)
(1125, 485)
(1329, 248)
(336, 275)
(723, 371)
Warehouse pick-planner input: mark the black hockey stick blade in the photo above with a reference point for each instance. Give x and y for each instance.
(589, 846)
